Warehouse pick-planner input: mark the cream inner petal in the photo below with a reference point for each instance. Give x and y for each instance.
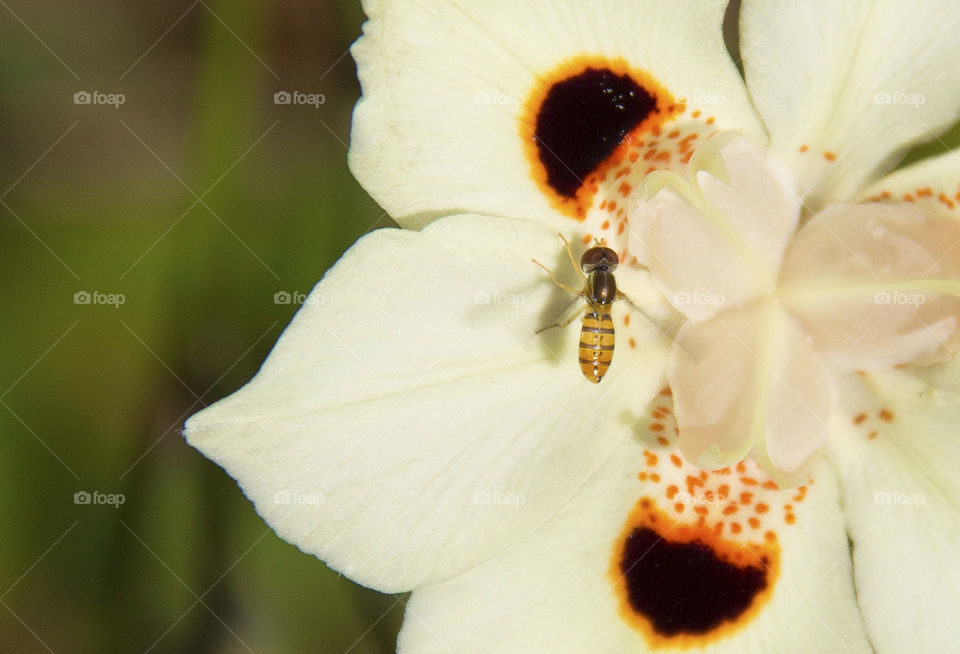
(714, 238)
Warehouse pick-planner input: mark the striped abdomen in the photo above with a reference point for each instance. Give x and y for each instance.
(596, 342)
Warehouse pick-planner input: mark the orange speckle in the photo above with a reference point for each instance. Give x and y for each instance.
(663, 441)
(790, 518)
(678, 507)
(924, 192)
(872, 435)
(642, 476)
(723, 491)
(675, 460)
(730, 510)
(746, 498)
(671, 491)
(907, 197)
(626, 320)
(761, 508)
(666, 392)
(741, 468)
(803, 148)
(735, 527)
(860, 417)
(620, 228)
(696, 113)
(701, 510)
(710, 120)
(625, 189)
(771, 485)
(605, 225)
(749, 481)
(829, 156)
(945, 200)
(587, 239)
(632, 343)
(770, 536)
(674, 134)
(754, 523)
(656, 427)
(886, 415)
(655, 478)
(651, 458)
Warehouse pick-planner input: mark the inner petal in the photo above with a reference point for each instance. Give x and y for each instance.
(715, 235)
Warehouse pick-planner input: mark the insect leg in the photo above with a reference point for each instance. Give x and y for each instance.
(564, 323)
(556, 281)
(573, 261)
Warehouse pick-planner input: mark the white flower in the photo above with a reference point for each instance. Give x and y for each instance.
(415, 432)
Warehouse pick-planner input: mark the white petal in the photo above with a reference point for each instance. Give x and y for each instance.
(846, 87)
(898, 454)
(933, 184)
(561, 590)
(876, 285)
(750, 378)
(441, 129)
(721, 247)
(411, 388)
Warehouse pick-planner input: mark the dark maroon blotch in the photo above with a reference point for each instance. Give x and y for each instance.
(685, 587)
(582, 121)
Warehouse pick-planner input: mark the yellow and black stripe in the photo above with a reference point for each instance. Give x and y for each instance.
(596, 342)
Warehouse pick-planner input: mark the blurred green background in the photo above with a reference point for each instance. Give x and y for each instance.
(197, 199)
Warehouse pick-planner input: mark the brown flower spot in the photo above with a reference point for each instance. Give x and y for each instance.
(580, 121)
(683, 585)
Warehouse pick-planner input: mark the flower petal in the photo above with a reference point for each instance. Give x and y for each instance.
(440, 128)
(933, 184)
(898, 457)
(783, 585)
(749, 378)
(411, 389)
(876, 285)
(846, 87)
(716, 242)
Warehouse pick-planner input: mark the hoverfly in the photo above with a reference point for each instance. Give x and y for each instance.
(597, 336)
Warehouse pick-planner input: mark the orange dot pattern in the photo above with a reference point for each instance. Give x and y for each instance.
(871, 423)
(737, 499)
(948, 198)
